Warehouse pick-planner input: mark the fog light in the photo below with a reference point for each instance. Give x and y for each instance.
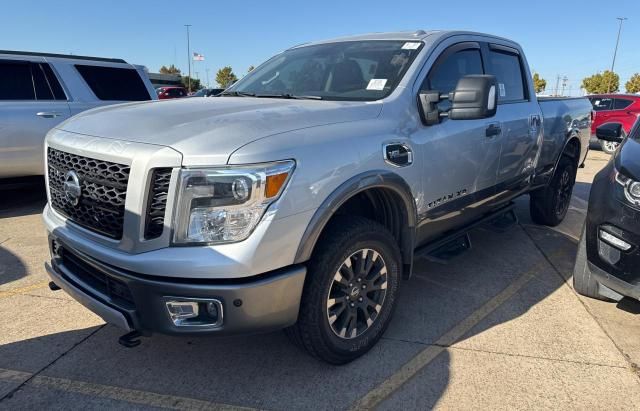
(212, 310)
(614, 241)
(180, 311)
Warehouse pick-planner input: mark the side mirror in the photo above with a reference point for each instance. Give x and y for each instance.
(475, 97)
(610, 132)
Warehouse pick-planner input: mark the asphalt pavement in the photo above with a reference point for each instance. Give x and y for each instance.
(498, 327)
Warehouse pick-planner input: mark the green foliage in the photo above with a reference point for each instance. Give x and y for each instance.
(225, 77)
(600, 83)
(633, 85)
(169, 70)
(195, 83)
(539, 83)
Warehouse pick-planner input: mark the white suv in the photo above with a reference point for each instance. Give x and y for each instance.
(38, 91)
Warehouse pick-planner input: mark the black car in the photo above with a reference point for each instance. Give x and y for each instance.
(608, 262)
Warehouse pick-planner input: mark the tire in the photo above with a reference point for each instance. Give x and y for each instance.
(549, 205)
(609, 147)
(583, 282)
(334, 290)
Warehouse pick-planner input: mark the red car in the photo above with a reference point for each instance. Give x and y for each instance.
(617, 108)
(171, 92)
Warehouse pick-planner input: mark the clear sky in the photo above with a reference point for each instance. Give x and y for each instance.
(572, 38)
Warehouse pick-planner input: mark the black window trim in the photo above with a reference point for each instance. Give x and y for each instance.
(24, 63)
(487, 48)
(613, 104)
(56, 76)
(35, 65)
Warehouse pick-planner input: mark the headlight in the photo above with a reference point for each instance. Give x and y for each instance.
(631, 188)
(224, 205)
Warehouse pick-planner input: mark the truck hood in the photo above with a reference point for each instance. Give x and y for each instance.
(207, 130)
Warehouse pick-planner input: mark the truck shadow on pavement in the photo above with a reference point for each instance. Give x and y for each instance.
(520, 274)
(12, 268)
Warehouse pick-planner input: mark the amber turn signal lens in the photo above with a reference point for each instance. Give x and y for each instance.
(274, 184)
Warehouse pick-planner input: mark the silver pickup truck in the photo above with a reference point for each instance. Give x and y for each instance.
(300, 198)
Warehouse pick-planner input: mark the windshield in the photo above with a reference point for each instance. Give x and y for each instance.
(354, 70)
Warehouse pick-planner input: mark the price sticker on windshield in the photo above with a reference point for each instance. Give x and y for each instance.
(376, 84)
(410, 46)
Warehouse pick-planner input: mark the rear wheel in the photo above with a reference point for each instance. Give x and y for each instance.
(610, 147)
(549, 206)
(350, 292)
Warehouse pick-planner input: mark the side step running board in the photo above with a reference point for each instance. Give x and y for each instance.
(459, 241)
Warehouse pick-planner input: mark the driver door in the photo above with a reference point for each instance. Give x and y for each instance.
(460, 159)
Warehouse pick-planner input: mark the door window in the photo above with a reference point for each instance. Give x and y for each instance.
(508, 71)
(601, 104)
(15, 81)
(445, 74)
(115, 84)
(621, 103)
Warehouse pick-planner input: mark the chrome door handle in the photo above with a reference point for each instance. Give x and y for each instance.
(48, 114)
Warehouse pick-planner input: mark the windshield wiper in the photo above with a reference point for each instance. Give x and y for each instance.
(237, 94)
(289, 96)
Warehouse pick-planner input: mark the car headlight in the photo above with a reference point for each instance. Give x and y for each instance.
(224, 205)
(631, 188)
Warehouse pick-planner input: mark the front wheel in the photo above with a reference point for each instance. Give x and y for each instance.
(350, 292)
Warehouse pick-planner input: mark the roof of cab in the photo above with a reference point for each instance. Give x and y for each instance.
(405, 36)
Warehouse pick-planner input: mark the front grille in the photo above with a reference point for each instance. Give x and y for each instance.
(115, 289)
(157, 203)
(103, 191)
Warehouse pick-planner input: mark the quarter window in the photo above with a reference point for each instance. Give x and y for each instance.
(621, 103)
(114, 84)
(508, 71)
(15, 81)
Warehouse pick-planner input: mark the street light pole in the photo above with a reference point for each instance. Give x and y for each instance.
(189, 55)
(615, 51)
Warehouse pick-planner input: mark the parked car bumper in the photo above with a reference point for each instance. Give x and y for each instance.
(131, 301)
(609, 214)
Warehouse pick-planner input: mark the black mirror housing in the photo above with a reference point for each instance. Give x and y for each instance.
(610, 132)
(475, 97)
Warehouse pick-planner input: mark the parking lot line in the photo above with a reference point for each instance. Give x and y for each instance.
(146, 398)
(23, 290)
(426, 356)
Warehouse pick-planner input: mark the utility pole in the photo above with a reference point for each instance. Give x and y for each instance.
(189, 55)
(555, 93)
(564, 84)
(615, 51)
(207, 71)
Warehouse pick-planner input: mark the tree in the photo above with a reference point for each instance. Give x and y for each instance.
(195, 83)
(633, 85)
(539, 83)
(607, 82)
(225, 77)
(250, 69)
(169, 70)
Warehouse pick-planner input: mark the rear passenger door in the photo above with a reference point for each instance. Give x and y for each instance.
(621, 113)
(32, 102)
(519, 117)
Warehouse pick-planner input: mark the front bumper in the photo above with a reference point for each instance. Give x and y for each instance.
(615, 268)
(133, 301)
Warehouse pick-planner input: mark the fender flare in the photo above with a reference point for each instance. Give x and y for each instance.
(348, 189)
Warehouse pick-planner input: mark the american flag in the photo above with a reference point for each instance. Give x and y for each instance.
(198, 57)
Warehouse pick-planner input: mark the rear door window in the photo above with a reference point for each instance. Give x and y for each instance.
(621, 103)
(507, 68)
(15, 81)
(114, 84)
(602, 104)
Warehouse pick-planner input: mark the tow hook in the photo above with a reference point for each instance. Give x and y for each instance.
(131, 339)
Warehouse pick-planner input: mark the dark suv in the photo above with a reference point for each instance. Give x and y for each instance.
(608, 262)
